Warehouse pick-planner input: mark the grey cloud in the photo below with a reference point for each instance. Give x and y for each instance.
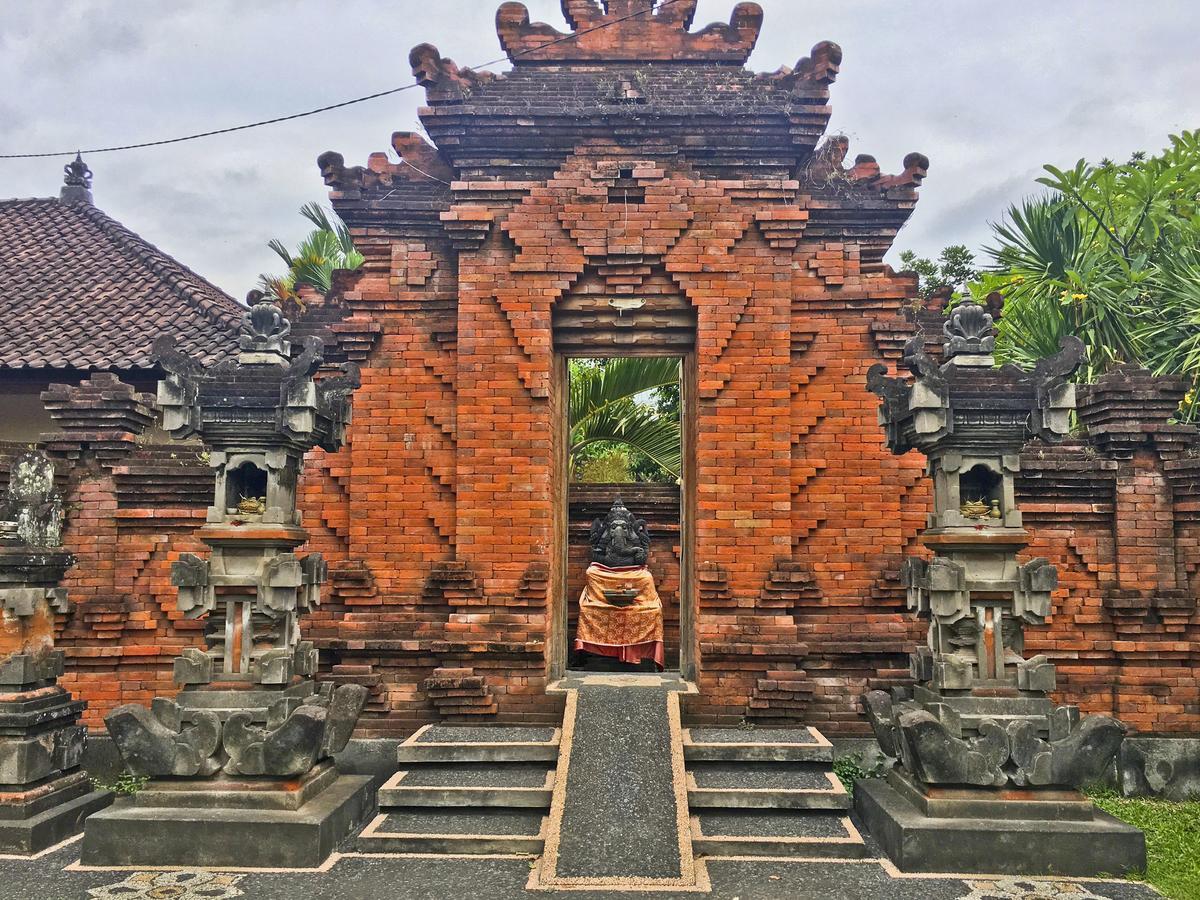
(77, 37)
(990, 91)
(12, 120)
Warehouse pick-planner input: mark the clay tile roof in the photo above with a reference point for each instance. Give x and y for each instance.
(79, 290)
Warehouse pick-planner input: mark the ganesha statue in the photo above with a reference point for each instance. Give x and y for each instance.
(620, 613)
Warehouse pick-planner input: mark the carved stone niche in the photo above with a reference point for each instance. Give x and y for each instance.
(974, 489)
(43, 793)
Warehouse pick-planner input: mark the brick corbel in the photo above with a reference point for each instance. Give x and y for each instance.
(1129, 409)
(100, 419)
(468, 226)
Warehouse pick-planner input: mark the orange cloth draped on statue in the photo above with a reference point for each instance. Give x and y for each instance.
(628, 633)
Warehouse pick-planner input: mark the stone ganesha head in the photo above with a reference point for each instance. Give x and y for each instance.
(620, 539)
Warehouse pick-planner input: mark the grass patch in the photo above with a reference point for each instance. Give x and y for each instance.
(1172, 840)
(125, 784)
(849, 769)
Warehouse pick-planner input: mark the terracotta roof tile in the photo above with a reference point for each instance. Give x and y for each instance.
(79, 290)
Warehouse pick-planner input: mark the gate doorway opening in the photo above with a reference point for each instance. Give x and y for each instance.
(625, 434)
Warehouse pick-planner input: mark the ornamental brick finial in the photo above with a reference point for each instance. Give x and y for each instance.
(653, 34)
(77, 181)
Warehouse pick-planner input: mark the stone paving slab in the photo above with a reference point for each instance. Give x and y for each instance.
(509, 775)
(463, 822)
(504, 878)
(620, 818)
(466, 734)
(768, 824)
(760, 776)
(804, 736)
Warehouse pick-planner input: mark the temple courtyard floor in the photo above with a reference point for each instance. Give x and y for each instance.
(351, 876)
(582, 811)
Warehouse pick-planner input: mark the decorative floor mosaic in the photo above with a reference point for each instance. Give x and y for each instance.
(1027, 889)
(171, 886)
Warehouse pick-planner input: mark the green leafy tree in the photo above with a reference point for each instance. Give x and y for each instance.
(1111, 254)
(329, 247)
(610, 465)
(953, 269)
(612, 410)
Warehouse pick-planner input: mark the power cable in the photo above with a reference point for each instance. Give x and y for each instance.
(322, 109)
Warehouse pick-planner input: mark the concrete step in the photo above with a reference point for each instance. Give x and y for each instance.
(756, 745)
(510, 785)
(456, 832)
(809, 834)
(764, 785)
(470, 744)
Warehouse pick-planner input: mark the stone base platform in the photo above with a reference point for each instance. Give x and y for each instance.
(42, 828)
(989, 842)
(133, 833)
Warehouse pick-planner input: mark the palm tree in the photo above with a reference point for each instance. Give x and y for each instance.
(605, 409)
(327, 248)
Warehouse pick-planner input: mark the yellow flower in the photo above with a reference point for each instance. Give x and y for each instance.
(1079, 296)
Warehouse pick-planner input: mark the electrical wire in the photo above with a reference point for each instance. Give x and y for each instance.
(323, 109)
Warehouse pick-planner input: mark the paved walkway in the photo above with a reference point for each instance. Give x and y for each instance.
(55, 876)
(619, 815)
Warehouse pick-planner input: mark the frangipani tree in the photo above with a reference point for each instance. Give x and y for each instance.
(1111, 255)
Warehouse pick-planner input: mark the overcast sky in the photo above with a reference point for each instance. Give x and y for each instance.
(989, 90)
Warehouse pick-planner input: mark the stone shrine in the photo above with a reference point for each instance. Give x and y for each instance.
(44, 795)
(989, 765)
(239, 764)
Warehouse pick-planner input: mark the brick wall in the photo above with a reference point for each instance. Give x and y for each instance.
(1123, 633)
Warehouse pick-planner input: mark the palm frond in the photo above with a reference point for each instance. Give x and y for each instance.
(634, 425)
(281, 251)
(316, 214)
(603, 408)
(594, 389)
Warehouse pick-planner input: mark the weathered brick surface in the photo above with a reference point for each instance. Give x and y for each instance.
(699, 188)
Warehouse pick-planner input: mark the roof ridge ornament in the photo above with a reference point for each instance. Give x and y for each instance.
(264, 333)
(77, 183)
(970, 331)
(827, 166)
(660, 34)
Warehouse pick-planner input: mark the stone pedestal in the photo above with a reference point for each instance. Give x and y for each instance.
(995, 832)
(256, 823)
(989, 765)
(240, 763)
(44, 796)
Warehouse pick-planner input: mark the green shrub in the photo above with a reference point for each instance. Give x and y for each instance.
(126, 784)
(849, 769)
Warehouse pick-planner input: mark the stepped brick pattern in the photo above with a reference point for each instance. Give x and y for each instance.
(637, 192)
